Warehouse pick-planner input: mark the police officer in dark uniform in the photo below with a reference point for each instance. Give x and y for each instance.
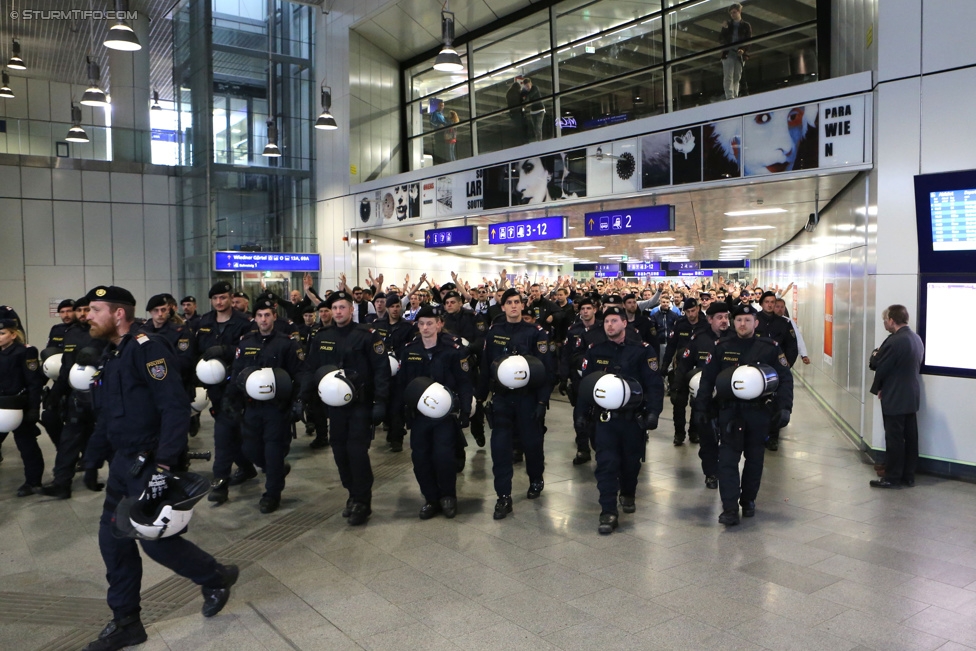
(191, 318)
(242, 303)
(361, 352)
(522, 409)
(433, 441)
(780, 330)
(21, 375)
(219, 333)
(695, 355)
(52, 418)
(471, 328)
(584, 332)
(266, 425)
(645, 328)
(397, 332)
(620, 435)
(143, 414)
(742, 424)
(179, 336)
(305, 327)
(316, 415)
(691, 323)
(66, 312)
(281, 324)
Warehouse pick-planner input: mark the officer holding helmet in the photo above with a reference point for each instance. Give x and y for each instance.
(691, 323)
(52, 418)
(621, 429)
(143, 414)
(360, 351)
(397, 333)
(433, 358)
(516, 406)
(692, 359)
(184, 343)
(773, 326)
(218, 334)
(470, 328)
(21, 381)
(586, 330)
(744, 409)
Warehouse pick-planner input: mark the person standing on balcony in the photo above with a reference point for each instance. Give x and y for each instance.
(734, 31)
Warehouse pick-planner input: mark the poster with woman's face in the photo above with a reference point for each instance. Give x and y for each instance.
(552, 177)
(656, 160)
(780, 141)
(722, 149)
(686, 155)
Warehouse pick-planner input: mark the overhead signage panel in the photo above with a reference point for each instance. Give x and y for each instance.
(698, 273)
(455, 236)
(643, 267)
(607, 267)
(528, 230)
(629, 221)
(266, 261)
(683, 266)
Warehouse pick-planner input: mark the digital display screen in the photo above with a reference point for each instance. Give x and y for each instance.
(266, 261)
(946, 304)
(435, 238)
(953, 214)
(528, 230)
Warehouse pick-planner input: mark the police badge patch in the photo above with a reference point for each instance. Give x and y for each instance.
(543, 346)
(464, 365)
(708, 358)
(782, 360)
(379, 348)
(686, 353)
(32, 365)
(157, 369)
(183, 344)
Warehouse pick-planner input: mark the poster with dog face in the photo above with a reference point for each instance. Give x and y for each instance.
(784, 140)
(686, 155)
(722, 149)
(656, 160)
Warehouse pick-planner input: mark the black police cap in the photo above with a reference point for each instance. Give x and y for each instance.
(448, 287)
(7, 312)
(308, 309)
(689, 303)
(744, 309)
(263, 304)
(509, 293)
(527, 312)
(112, 294)
(718, 307)
(452, 294)
(428, 312)
(188, 299)
(584, 301)
(8, 324)
(379, 295)
(158, 300)
(66, 303)
(242, 295)
(765, 295)
(220, 287)
(392, 298)
(614, 299)
(82, 302)
(338, 296)
(627, 297)
(324, 304)
(614, 309)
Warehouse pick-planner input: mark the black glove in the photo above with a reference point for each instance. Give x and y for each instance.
(647, 420)
(31, 416)
(91, 480)
(784, 417)
(699, 418)
(156, 487)
(580, 423)
(378, 413)
(563, 387)
(540, 412)
(214, 352)
(464, 420)
(297, 410)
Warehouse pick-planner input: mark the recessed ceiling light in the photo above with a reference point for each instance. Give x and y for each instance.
(572, 228)
(503, 257)
(656, 239)
(482, 228)
(612, 255)
(748, 228)
(758, 211)
(747, 239)
(459, 246)
(520, 248)
(421, 240)
(588, 248)
(574, 239)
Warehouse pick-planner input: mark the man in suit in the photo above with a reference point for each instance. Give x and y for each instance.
(897, 364)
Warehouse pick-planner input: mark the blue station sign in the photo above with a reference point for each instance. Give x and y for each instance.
(627, 221)
(527, 230)
(266, 261)
(455, 236)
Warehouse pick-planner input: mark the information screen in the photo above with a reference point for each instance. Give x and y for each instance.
(266, 261)
(948, 304)
(953, 215)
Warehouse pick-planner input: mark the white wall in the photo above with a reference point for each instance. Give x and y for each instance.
(66, 230)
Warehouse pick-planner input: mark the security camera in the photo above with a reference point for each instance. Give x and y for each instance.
(812, 222)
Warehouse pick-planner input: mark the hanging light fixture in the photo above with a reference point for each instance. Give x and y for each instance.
(121, 36)
(94, 95)
(271, 149)
(16, 62)
(326, 122)
(76, 133)
(5, 91)
(155, 105)
(448, 59)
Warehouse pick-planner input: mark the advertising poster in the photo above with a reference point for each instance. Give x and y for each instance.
(599, 169)
(468, 191)
(784, 140)
(842, 132)
(625, 175)
(444, 188)
(369, 207)
(722, 149)
(497, 186)
(406, 201)
(656, 160)
(829, 323)
(551, 177)
(686, 155)
(428, 199)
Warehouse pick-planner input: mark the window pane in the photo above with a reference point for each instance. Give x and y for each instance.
(619, 52)
(582, 18)
(423, 81)
(505, 130)
(519, 41)
(621, 100)
(499, 91)
(420, 118)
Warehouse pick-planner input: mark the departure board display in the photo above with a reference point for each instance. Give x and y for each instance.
(953, 214)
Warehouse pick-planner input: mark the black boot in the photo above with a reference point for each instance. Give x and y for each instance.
(359, 514)
(729, 517)
(118, 634)
(214, 599)
(429, 510)
(218, 493)
(502, 507)
(242, 475)
(608, 522)
(320, 441)
(449, 506)
(582, 456)
(60, 491)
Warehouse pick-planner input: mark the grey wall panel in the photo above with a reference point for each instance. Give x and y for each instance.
(66, 184)
(128, 252)
(899, 39)
(12, 235)
(69, 238)
(95, 186)
(35, 183)
(97, 233)
(157, 244)
(11, 181)
(38, 232)
(943, 148)
(947, 35)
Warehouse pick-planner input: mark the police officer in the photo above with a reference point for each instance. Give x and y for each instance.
(620, 435)
(695, 355)
(66, 312)
(282, 324)
(642, 325)
(471, 329)
(162, 323)
(305, 327)
(242, 303)
(142, 417)
(585, 331)
(432, 441)
(397, 332)
(360, 351)
(743, 424)
(522, 409)
(21, 375)
(191, 318)
(315, 411)
(266, 425)
(52, 418)
(771, 325)
(691, 323)
(219, 333)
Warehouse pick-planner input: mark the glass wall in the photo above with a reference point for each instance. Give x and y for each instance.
(584, 64)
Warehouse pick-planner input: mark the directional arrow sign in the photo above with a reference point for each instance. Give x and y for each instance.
(436, 238)
(627, 221)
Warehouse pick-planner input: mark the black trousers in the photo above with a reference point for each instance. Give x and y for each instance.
(708, 447)
(351, 435)
(267, 439)
(514, 415)
(227, 445)
(749, 440)
(25, 437)
(679, 398)
(78, 428)
(619, 447)
(432, 445)
(901, 447)
(123, 565)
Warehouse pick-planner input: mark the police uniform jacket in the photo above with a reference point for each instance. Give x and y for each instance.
(20, 373)
(56, 337)
(632, 359)
(139, 400)
(542, 309)
(697, 352)
(193, 323)
(578, 339)
(357, 348)
(680, 336)
(446, 362)
(736, 351)
(466, 325)
(395, 335)
(304, 334)
(896, 364)
(644, 327)
(282, 325)
(519, 338)
(182, 340)
(274, 350)
(226, 335)
(781, 331)
(75, 339)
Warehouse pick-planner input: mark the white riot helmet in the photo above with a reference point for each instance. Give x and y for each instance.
(334, 387)
(140, 517)
(266, 383)
(612, 392)
(694, 381)
(11, 412)
(200, 401)
(211, 371)
(80, 377)
(518, 371)
(754, 381)
(51, 364)
(429, 398)
(394, 364)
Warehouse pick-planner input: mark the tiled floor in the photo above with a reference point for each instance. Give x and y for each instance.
(827, 563)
